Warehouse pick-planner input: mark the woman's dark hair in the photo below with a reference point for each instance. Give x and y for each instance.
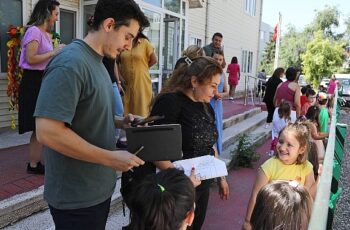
(284, 110)
(42, 11)
(162, 201)
(122, 11)
(310, 92)
(277, 73)
(312, 114)
(282, 205)
(203, 68)
(234, 60)
(139, 35)
(291, 74)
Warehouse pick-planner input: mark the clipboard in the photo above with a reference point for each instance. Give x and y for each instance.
(160, 142)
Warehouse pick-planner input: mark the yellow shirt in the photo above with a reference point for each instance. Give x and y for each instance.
(135, 71)
(274, 169)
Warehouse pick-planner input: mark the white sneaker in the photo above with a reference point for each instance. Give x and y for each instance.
(267, 126)
(271, 153)
(230, 98)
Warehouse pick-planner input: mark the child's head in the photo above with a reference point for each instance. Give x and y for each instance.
(322, 98)
(293, 143)
(282, 205)
(284, 110)
(312, 113)
(218, 55)
(311, 96)
(164, 201)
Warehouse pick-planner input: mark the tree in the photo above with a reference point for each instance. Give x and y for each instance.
(292, 46)
(322, 57)
(326, 20)
(268, 57)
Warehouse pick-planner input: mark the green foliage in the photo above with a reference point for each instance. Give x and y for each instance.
(326, 19)
(268, 57)
(322, 58)
(292, 46)
(245, 154)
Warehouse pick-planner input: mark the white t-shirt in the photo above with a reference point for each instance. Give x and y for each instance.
(279, 123)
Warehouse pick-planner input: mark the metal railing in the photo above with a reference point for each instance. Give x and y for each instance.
(252, 90)
(320, 215)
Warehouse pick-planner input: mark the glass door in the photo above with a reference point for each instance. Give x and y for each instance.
(171, 49)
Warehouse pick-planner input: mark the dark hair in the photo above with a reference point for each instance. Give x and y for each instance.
(291, 74)
(284, 110)
(303, 90)
(139, 36)
(234, 60)
(313, 114)
(42, 11)
(122, 11)
(278, 71)
(282, 205)
(161, 201)
(217, 34)
(310, 92)
(204, 68)
(302, 134)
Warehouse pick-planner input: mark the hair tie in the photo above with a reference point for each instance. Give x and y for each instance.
(188, 60)
(293, 183)
(162, 189)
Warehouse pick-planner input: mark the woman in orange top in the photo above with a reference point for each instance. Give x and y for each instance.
(134, 66)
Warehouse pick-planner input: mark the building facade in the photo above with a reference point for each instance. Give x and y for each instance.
(175, 24)
(266, 33)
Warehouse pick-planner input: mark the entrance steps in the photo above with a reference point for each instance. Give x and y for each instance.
(29, 210)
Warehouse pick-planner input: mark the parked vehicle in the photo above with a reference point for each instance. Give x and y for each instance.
(344, 90)
(302, 82)
(325, 82)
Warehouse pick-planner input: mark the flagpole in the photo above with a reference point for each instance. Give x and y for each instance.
(277, 50)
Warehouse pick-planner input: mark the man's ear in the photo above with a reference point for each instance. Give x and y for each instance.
(108, 24)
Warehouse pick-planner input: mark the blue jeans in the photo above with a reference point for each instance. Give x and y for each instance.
(118, 107)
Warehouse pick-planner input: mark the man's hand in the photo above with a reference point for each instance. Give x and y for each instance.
(124, 161)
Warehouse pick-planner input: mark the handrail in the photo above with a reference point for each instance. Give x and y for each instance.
(246, 87)
(319, 214)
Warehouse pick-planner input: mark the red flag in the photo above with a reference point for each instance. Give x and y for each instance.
(274, 38)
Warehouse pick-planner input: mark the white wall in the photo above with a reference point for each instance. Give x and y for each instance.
(240, 30)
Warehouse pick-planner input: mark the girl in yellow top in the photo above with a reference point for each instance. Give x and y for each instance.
(290, 163)
(134, 66)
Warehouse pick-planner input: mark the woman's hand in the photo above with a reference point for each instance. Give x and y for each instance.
(246, 225)
(195, 180)
(223, 188)
(58, 49)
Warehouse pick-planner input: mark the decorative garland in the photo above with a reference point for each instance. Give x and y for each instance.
(14, 71)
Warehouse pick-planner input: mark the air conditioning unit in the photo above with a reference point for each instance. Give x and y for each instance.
(196, 3)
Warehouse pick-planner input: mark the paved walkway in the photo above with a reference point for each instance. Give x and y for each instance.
(229, 215)
(14, 154)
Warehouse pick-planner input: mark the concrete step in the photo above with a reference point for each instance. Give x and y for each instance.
(24, 206)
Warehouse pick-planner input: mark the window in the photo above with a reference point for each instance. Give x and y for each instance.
(172, 5)
(247, 61)
(153, 32)
(67, 26)
(250, 7)
(196, 41)
(10, 14)
(154, 2)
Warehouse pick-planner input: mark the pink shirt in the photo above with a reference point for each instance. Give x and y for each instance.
(331, 87)
(33, 33)
(233, 69)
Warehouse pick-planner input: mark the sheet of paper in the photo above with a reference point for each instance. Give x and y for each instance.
(207, 167)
